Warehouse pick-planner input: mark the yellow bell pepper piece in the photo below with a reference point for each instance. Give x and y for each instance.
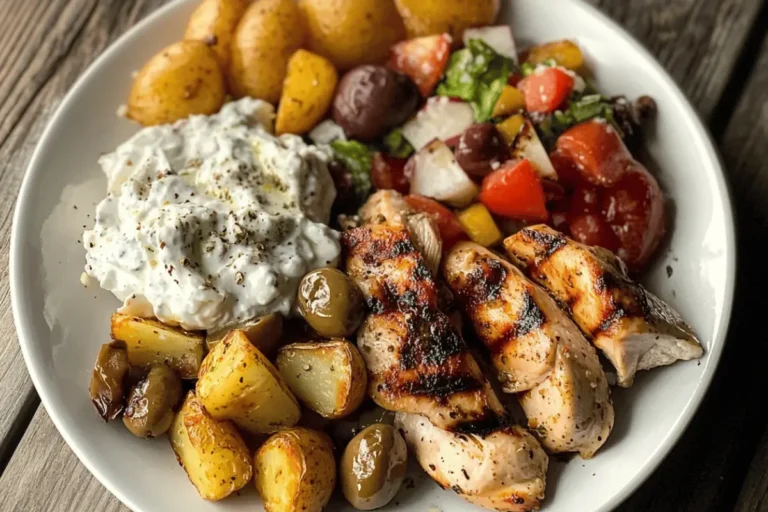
(564, 53)
(510, 128)
(511, 101)
(479, 225)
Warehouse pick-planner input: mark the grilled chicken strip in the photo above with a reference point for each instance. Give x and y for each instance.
(536, 349)
(635, 329)
(502, 471)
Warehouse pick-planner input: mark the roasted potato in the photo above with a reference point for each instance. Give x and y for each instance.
(213, 23)
(238, 383)
(264, 332)
(149, 408)
(212, 452)
(426, 17)
(295, 471)
(109, 380)
(352, 32)
(307, 93)
(373, 467)
(268, 34)
(327, 377)
(151, 342)
(183, 79)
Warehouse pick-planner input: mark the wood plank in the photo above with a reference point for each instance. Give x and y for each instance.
(697, 41)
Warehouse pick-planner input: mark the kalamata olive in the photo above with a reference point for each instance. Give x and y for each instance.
(373, 467)
(109, 380)
(371, 100)
(149, 410)
(331, 303)
(480, 146)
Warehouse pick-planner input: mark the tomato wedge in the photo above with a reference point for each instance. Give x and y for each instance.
(424, 59)
(388, 172)
(449, 226)
(597, 151)
(515, 191)
(546, 89)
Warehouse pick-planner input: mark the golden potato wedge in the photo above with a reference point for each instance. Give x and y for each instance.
(212, 452)
(307, 93)
(264, 332)
(150, 342)
(238, 383)
(295, 471)
(213, 23)
(327, 377)
(183, 79)
(268, 34)
(352, 32)
(426, 17)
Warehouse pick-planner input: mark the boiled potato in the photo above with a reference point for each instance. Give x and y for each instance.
(295, 471)
(426, 17)
(151, 342)
(264, 332)
(327, 377)
(238, 383)
(212, 452)
(268, 34)
(109, 380)
(214, 22)
(183, 79)
(352, 32)
(307, 93)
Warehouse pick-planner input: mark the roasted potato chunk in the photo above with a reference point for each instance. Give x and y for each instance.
(151, 342)
(264, 332)
(183, 79)
(327, 377)
(427, 17)
(266, 37)
(212, 452)
(149, 408)
(295, 471)
(213, 23)
(307, 93)
(108, 381)
(238, 383)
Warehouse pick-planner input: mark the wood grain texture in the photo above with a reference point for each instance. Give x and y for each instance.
(46, 44)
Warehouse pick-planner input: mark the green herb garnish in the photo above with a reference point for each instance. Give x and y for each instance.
(357, 159)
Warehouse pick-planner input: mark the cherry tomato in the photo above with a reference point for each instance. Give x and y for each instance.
(567, 173)
(423, 59)
(388, 172)
(449, 226)
(515, 191)
(634, 208)
(546, 89)
(553, 191)
(597, 151)
(585, 199)
(591, 229)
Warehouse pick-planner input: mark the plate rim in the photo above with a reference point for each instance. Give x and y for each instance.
(692, 119)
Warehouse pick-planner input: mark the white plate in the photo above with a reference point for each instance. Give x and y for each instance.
(61, 324)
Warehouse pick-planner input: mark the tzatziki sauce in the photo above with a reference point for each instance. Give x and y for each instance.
(212, 220)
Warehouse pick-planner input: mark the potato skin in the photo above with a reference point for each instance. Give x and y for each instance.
(213, 23)
(237, 382)
(182, 80)
(352, 32)
(268, 34)
(307, 93)
(212, 452)
(295, 471)
(427, 17)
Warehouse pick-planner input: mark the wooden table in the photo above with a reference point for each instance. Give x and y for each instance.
(717, 50)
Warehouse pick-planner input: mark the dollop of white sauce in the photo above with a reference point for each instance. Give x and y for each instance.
(212, 220)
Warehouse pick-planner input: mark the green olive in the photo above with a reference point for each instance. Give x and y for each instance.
(109, 380)
(331, 303)
(373, 467)
(149, 410)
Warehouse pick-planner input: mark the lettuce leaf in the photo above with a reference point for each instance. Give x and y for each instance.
(357, 159)
(397, 145)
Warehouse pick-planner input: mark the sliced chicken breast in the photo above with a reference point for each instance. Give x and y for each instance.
(505, 470)
(536, 349)
(635, 329)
